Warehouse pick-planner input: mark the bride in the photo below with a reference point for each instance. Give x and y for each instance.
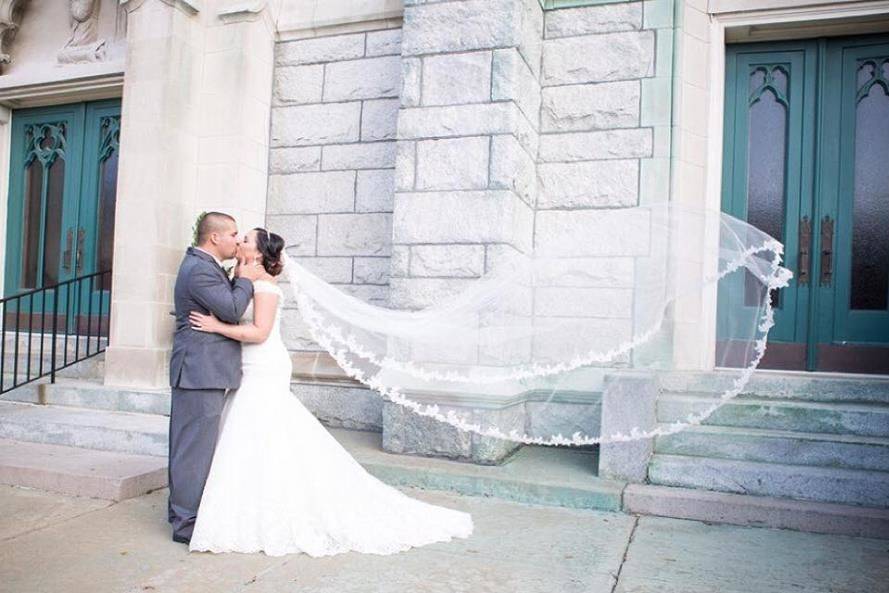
(279, 482)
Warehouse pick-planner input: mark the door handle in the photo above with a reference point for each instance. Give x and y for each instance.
(66, 255)
(826, 251)
(81, 235)
(805, 251)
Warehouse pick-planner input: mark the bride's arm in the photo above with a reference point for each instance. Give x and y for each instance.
(265, 305)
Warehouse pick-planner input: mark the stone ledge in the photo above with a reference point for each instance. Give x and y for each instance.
(80, 472)
(756, 511)
(536, 475)
(337, 18)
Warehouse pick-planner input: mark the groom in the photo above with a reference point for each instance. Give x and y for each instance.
(202, 365)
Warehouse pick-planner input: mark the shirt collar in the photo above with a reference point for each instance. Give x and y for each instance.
(216, 259)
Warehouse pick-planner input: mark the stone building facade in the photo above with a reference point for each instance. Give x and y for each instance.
(401, 147)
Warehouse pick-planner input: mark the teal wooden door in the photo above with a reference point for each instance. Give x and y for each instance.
(769, 123)
(45, 164)
(805, 154)
(62, 189)
(852, 326)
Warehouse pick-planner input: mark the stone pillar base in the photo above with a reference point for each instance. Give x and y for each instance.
(628, 401)
(137, 367)
(409, 433)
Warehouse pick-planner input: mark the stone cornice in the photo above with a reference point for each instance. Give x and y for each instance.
(800, 6)
(189, 7)
(555, 4)
(18, 94)
(247, 10)
(290, 31)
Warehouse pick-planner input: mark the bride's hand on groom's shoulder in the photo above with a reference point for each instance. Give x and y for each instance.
(204, 323)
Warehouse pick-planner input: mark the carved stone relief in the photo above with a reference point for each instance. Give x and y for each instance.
(10, 19)
(83, 44)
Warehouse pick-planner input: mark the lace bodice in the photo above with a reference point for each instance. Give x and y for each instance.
(273, 347)
(263, 286)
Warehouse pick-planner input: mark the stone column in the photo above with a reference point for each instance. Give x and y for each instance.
(5, 141)
(695, 315)
(629, 401)
(194, 137)
(464, 174)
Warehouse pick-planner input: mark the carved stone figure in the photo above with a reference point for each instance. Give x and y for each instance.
(10, 19)
(82, 44)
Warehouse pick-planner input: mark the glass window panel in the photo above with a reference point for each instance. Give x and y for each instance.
(870, 249)
(107, 197)
(31, 224)
(865, 73)
(779, 79)
(757, 78)
(766, 150)
(53, 233)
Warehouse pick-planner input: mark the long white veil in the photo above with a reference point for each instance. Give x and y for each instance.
(520, 353)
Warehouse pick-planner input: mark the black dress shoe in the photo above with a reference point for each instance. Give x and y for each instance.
(181, 540)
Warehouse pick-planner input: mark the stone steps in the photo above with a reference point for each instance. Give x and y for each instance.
(122, 432)
(94, 395)
(819, 484)
(538, 475)
(89, 452)
(788, 385)
(813, 438)
(781, 414)
(9, 338)
(90, 368)
(91, 394)
(756, 511)
(80, 472)
(28, 393)
(535, 475)
(786, 447)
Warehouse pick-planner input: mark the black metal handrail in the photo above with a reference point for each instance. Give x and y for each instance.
(68, 307)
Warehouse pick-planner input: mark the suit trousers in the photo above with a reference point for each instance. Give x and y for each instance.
(194, 427)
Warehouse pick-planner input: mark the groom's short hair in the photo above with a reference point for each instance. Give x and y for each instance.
(212, 222)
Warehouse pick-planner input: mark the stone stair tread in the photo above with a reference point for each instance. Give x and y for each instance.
(80, 472)
(782, 446)
(801, 482)
(706, 398)
(124, 432)
(536, 475)
(795, 385)
(717, 430)
(756, 511)
(866, 419)
(825, 472)
(870, 398)
(15, 411)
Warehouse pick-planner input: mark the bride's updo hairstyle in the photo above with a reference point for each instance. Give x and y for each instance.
(271, 246)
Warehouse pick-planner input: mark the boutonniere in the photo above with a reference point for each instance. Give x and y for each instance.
(229, 268)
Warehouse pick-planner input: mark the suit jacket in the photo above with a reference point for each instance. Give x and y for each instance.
(203, 360)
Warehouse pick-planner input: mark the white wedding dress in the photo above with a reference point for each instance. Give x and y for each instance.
(281, 484)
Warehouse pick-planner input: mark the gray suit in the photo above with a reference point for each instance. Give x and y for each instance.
(202, 367)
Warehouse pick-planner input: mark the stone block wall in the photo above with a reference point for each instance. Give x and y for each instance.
(406, 162)
(402, 168)
(332, 159)
(467, 141)
(604, 146)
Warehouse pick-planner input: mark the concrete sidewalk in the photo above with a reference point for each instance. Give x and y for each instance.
(54, 543)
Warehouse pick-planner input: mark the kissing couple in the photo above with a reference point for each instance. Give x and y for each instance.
(250, 468)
